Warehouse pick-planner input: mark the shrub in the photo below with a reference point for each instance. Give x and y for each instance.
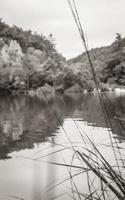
(69, 79)
(36, 80)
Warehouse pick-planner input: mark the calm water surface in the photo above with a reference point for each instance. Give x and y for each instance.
(35, 133)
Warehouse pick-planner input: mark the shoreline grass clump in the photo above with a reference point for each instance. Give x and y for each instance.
(111, 179)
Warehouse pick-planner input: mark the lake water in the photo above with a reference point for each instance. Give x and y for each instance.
(35, 134)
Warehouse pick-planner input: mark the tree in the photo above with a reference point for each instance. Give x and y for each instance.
(118, 37)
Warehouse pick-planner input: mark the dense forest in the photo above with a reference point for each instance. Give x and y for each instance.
(29, 61)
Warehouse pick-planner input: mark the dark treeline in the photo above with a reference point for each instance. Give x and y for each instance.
(25, 38)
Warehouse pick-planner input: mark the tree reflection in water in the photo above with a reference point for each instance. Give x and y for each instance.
(25, 121)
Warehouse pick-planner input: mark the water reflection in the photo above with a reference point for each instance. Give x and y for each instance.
(25, 121)
(88, 108)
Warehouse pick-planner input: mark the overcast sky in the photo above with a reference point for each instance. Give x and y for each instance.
(101, 20)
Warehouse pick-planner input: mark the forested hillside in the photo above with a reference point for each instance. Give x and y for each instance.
(109, 64)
